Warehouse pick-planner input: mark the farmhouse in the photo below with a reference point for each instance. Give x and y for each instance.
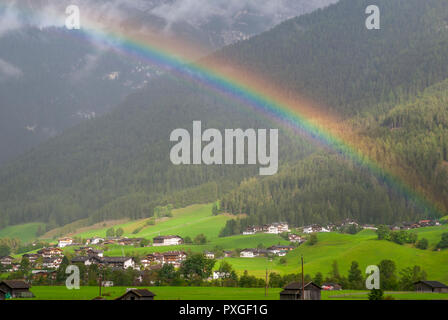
(32, 257)
(293, 291)
(94, 240)
(249, 231)
(52, 263)
(137, 294)
(118, 262)
(174, 257)
(16, 288)
(50, 252)
(65, 242)
(296, 238)
(228, 253)
(167, 241)
(249, 253)
(209, 255)
(6, 260)
(431, 286)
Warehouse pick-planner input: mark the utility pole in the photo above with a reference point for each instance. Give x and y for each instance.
(303, 285)
(266, 289)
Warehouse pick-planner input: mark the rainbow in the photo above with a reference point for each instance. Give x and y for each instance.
(252, 91)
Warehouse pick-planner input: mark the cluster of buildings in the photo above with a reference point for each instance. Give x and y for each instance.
(273, 250)
(273, 228)
(415, 225)
(159, 259)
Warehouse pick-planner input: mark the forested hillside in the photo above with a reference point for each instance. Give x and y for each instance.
(325, 188)
(333, 58)
(118, 165)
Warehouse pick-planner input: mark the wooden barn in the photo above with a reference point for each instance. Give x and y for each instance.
(2, 294)
(137, 294)
(430, 286)
(293, 291)
(16, 288)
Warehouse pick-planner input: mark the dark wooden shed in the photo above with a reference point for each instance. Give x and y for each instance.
(137, 294)
(293, 291)
(16, 288)
(2, 294)
(430, 286)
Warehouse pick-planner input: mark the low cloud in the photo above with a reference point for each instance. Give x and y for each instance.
(8, 70)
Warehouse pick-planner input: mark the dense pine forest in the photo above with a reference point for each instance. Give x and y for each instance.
(389, 85)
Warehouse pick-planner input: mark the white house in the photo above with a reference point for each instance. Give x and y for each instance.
(94, 240)
(64, 242)
(167, 241)
(249, 253)
(220, 275)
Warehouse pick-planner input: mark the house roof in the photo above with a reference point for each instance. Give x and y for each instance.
(433, 284)
(139, 292)
(298, 285)
(16, 284)
(115, 259)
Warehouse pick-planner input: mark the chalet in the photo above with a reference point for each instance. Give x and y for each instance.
(296, 238)
(276, 228)
(430, 286)
(137, 294)
(249, 253)
(249, 231)
(279, 250)
(129, 241)
(293, 291)
(118, 262)
(330, 286)
(6, 261)
(51, 263)
(209, 255)
(32, 257)
(315, 228)
(167, 241)
(369, 227)
(16, 288)
(94, 240)
(65, 242)
(50, 252)
(228, 253)
(93, 252)
(219, 275)
(174, 257)
(82, 259)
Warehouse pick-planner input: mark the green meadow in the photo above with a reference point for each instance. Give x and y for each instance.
(212, 293)
(344, 248)
(362, 247)
(189, 221)
(25, 232)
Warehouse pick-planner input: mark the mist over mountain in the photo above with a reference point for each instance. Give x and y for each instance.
(51, 79)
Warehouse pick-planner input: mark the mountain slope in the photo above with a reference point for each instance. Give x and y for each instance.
(118, 165)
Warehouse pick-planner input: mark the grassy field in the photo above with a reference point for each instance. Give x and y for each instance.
(189, 221)
(362, 247)
(24, 232)
(213, 293)
(344, 248)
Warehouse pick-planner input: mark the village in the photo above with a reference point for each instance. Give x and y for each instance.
(45, 263)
